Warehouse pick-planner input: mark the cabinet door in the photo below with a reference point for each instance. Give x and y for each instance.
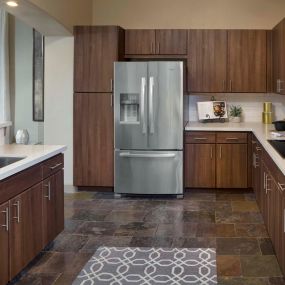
(200, 165)
(26, 228)
(278, 50)
(4, 243)
(207, 60)
(171, 42)
(139, 42)
(96, 49)
(247, 60)
(231, 165)
(93, 140)
(53, 207)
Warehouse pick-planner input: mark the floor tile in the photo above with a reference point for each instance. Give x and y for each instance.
(242, 281)
(215, 230)
(90, 215)
(125, 216)
(136, 229)
(260, 266)
(238, 217)
(251, 230)
(198, 217)
(237, 246)
(177, 230)
(266, 246)
(97, 228)
(151, 242)
(38, 279)
(228, 265)
(203, 242)
(163, 216)
(244, 206)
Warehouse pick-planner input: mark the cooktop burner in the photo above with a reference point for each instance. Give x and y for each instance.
(279, 145)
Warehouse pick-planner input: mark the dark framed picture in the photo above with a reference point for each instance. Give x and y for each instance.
(38, 76)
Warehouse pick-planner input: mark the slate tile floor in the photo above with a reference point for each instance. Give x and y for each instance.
(228, 220)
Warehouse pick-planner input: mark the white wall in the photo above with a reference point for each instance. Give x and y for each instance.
(59, 97)
(252, 104)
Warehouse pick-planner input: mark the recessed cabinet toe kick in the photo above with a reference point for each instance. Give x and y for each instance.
(149, 128)
(31, 214)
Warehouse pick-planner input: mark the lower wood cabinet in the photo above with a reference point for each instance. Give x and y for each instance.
(31, 219)
(4, 243)
(231, 165)
(25, 228)
(200, 166)
(53, 212)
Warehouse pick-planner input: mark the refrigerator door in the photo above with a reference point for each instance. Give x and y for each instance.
(148, 172)
(165, 105)
(130, 101)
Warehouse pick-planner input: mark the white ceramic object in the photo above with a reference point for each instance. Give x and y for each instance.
(235, 119)
(22, 137)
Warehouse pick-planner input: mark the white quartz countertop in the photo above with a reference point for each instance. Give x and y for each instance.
(33, 154)
(261, 131)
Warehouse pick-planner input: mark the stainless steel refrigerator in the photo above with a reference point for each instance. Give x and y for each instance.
(148, 102)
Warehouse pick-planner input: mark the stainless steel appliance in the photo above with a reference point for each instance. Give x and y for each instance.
(148, 100)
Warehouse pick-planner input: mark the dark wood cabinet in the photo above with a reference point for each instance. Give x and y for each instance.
(231, 165)
(247, 60)
(171, 42)
(93, 140)
(96, 49)
(26, 228)
(207, 61)
(53, 212)
(278, 57)
(200, 165)
(256, 171)
(4, 243)
(156, 42)
(139, 42)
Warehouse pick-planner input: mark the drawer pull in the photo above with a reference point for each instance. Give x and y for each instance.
(200, 139)
(258, 148)
(231, 139)
(17, 205)
(55, 166)
(6, 226)
(281, 186)
(48, 196)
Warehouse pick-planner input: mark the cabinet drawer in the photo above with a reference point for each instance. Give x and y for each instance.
(52, 165)
(231, 137)
(200, 137)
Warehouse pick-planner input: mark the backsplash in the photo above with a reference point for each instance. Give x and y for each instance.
(251, 103)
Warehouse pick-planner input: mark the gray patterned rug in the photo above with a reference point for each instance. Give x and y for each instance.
(149, 266)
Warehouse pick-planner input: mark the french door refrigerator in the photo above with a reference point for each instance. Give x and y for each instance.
(148, 113)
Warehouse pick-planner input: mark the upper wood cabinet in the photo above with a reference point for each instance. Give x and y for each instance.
(278, 57)
(139, 42)
(156, 42)
(93, 140)
(247, 58)
(96, 49)
(171, 42)
(207, 60)
(4, 243)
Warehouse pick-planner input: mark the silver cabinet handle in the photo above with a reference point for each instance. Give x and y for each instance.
(111, 82)
(264, 180)
(151, 113)
(6, 226)
(143, 86)
(200, 139)
(138, 155)
(231, 85)
(111, 100)
(221, 152)
(48, 196)
(231, 139)
(211, 152)
(152, 48)
(17, 217)
(281, 186)
(258, 148)
(158, 48)
(55, 166)
(267, 178)
(279, 88)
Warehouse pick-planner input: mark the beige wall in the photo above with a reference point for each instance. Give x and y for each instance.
(230, 14)
(67, 12)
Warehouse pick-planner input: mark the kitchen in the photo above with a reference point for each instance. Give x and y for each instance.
(239, 64)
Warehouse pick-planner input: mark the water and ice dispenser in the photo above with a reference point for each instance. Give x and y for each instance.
(129, 108)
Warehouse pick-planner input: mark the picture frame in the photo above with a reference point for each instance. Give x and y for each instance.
(38, 76)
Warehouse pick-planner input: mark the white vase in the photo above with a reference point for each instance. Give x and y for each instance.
(235, 119)
(22, 137)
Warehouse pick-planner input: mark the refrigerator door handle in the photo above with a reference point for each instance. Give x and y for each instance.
(140, 155)
(143, 87)
(151, 114)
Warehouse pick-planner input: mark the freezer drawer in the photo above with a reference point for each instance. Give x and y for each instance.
(148, 172)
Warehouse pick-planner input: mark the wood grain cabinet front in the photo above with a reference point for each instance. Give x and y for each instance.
(4, 243)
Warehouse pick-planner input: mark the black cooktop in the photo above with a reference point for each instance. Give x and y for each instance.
(279, 145)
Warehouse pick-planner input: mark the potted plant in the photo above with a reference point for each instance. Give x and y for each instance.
(235, 114)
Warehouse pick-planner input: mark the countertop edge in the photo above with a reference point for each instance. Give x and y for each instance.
(22, 165)
(275, 156)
